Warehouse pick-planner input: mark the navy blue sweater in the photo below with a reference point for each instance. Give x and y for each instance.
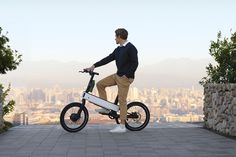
(126, 58)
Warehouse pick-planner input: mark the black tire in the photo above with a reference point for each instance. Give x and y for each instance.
(128, 121)
(64, 119)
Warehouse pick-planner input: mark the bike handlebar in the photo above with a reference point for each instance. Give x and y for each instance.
(90, 72)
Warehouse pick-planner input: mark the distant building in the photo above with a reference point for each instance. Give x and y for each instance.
(37, 95)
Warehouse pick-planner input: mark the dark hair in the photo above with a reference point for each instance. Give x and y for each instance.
(123, 33)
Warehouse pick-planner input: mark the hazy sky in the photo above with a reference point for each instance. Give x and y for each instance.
(76, 30)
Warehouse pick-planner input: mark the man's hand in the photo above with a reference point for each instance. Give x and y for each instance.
(90, 68)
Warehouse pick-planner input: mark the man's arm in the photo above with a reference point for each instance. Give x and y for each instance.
(133, 58)
(104, 61)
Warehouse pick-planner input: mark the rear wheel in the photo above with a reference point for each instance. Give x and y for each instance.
(70, 120)
(138, 116)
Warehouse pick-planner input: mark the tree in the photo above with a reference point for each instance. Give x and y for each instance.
(9, 107)
(223, 50)
(9, 60)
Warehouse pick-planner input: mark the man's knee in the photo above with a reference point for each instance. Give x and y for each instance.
(99, 84)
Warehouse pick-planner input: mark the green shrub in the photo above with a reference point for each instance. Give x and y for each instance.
(7, 125)
(7, 107)
(223, 50)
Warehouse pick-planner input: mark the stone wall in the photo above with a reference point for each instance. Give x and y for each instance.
(220, 108)
(1, 114)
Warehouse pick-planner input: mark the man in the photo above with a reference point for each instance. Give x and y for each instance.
(126, 59)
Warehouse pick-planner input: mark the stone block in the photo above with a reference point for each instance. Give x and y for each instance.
(234, 93)
(228, 87)
(233, 86)
(234, 101)
(234, 110)
(232, 131)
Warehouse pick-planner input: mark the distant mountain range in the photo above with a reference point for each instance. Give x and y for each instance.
(169, 73)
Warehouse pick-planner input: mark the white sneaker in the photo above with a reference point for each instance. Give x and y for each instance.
(119, 129)
(102, 110)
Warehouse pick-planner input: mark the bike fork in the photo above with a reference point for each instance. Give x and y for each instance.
(82, 106)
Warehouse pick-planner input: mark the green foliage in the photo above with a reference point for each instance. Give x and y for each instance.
(9, 59)
(223, 50)
(7, 107)
(7, 125)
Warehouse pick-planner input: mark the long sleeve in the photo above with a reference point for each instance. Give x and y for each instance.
(106, 60)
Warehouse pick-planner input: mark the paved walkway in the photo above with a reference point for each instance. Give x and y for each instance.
(157, 140)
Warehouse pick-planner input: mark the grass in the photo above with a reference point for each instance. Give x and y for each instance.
(6, 127)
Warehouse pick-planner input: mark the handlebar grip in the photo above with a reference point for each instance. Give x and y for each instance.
(90, 72)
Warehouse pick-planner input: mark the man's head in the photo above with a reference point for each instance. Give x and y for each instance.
(121, 35)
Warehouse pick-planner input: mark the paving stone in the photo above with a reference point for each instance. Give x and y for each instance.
(95, 140)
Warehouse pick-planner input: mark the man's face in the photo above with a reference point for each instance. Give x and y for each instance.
(118, 39)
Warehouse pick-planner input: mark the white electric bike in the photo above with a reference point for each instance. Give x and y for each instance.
(75, 116)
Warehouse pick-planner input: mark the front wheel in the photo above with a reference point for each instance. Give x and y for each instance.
(138, 116)
(71, 120)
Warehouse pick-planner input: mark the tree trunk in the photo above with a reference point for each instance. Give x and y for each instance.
(1, 111)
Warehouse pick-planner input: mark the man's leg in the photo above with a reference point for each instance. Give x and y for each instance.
(106, 82)
(123, 84)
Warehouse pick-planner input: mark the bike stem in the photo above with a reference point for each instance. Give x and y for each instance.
(87, 90)
(90, 81)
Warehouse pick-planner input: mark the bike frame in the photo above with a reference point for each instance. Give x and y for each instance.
(97, 100)
(100, 102)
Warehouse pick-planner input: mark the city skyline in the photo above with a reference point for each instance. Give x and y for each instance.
(43, 105)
